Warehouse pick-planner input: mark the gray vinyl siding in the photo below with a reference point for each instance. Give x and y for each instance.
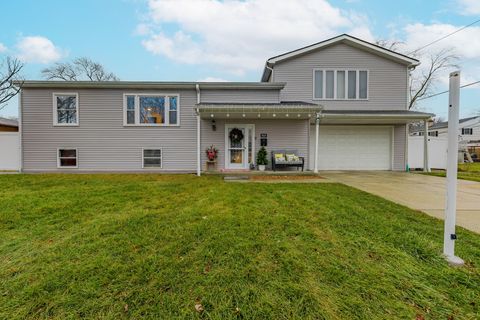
(387, 79)
(103, 143)
(240, 96)
(399, 147)
(282, 134)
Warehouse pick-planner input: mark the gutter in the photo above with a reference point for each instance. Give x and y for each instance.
(148, 85)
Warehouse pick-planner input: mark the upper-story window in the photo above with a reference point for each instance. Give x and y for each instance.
(340, 84)
(467, 131)
(65, 109)
(151, 109)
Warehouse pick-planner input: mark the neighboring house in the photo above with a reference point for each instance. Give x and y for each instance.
(9, 145)
(468, 133)
(351, 92)
(8, 125)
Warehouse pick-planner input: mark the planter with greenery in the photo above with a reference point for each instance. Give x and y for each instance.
(262, 159)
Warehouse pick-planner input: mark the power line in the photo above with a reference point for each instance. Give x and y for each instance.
(446, 36)
(443, 92)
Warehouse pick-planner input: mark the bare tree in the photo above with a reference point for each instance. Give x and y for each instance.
(78, 70)
(423, 79)
(9, 72)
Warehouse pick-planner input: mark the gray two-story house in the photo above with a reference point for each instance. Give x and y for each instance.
(341, 104)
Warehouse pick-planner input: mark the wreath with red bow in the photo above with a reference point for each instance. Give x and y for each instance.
(236, 135)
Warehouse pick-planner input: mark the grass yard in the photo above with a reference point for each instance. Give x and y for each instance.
(466, 171)
(154, 246)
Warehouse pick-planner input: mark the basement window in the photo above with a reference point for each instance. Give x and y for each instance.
(152, 158)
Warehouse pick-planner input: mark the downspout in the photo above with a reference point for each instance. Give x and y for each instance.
(271, 69)
(20, 129)
(199, 164)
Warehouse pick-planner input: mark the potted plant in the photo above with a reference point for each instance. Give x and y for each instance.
(212, 153)
(262, 159)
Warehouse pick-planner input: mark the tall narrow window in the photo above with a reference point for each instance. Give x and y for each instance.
(318, 82)
(362, 79)
(329, 84)
(172, 113)
(352, 84)
(130, 109)
(67, 158)
(340, 84)
(65, 109)
(152, 158)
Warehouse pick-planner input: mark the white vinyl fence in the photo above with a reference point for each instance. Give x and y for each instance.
(9, 151)
(437, 152)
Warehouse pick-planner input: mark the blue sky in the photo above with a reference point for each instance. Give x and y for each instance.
(190, 40)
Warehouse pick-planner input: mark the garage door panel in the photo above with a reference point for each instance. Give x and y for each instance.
(353, 147)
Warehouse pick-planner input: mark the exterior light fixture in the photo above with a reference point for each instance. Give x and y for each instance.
(259, 115)
(274, 115)
(214, 125)
(286, 115)
(243, 115)
(211, 115)
(228, 115)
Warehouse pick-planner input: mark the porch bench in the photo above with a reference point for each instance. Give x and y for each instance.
(283, 163)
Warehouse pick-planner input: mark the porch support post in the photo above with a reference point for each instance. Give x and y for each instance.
(199, 164)
(426, 167)
(315, 160)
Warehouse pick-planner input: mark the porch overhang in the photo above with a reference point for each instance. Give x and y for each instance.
(373, 116)
(284, 110)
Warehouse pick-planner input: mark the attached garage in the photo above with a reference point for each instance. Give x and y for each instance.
(353, 147)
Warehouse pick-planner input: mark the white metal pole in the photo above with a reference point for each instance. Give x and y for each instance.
(426, 167)
(315, 161)
(199, 164)
(452, 163)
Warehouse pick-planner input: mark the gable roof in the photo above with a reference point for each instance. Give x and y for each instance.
(343, 38)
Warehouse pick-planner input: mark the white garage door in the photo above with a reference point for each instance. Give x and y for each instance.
(353, 147)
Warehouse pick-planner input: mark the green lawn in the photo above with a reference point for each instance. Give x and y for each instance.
(153, 246)
(466, 171)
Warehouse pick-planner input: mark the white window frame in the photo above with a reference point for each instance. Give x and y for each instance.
(137, 109)
(467, 134)
(55, 110)
(59, 166)
(335, 70)
(143, 158)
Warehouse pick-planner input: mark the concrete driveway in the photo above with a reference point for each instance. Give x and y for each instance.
(417, 191)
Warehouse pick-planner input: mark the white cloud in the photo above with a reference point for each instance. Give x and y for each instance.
(3, 48)
(238, 36)
(212, 79)
(142, 29)
(37, 49)
(469, 7)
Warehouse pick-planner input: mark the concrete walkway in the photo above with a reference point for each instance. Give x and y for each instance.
(417, 191)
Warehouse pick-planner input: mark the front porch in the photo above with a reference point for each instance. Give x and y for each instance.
(238, 131)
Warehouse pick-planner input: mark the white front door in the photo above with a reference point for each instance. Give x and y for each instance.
(239, 142)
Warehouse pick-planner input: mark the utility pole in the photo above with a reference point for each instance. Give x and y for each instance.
(452, 166)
